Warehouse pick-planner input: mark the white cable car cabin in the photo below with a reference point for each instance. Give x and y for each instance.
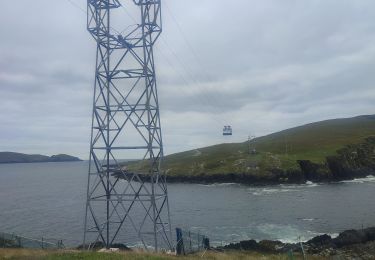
(227, 130)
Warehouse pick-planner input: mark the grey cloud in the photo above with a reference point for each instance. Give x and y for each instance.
(259, 65)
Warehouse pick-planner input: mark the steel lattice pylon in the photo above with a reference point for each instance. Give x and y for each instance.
(126, 206)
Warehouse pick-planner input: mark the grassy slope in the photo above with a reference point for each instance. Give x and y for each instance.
(65, 255)
(279, 150)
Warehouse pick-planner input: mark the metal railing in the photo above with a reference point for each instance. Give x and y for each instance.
(190, 242)
(8, 240)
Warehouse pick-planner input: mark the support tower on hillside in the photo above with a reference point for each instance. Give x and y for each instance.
(126, 203)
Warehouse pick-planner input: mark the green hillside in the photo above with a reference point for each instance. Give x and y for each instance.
(279, 150)
(11, 157)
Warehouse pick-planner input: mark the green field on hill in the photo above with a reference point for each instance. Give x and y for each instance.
(279, 150)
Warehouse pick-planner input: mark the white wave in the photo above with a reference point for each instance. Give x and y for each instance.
(369, 178)
(220, 184)
(285, 233)
(226, 184)
(308, 219)
(288, 233)
(140, 245)
(267, 191)
(308, 184)
(311, 184)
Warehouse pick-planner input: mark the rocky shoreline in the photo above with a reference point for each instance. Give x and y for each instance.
(350, 244)
(278, 178)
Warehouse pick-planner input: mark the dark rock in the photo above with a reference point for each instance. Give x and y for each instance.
(319, 243)
(231, 246)
(350, 237)
(353, 161)
(309, 169)
(370, 233)
(350, 243)
(270, 246)
(262, 246)
(314, 172)
(249, 245)
(320, 240)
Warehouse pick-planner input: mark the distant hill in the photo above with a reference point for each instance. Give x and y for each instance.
(277, 154)
(10, 157)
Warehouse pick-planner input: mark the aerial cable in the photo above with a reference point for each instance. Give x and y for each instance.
(203, 99)
(197, 98)
(76, 5)
(217, 109)
(209, 98)
(83, 10)
(194, 53)
(187, 71)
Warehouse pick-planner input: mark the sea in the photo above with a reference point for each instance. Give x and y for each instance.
(48, 200)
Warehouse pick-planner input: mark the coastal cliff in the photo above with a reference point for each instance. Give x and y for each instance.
(326, 151)
(352, 161)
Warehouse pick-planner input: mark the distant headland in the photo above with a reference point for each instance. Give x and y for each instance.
(11, 157)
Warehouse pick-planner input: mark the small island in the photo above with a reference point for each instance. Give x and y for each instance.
(11, 157)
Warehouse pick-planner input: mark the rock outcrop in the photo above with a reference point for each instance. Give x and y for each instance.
(349, 243)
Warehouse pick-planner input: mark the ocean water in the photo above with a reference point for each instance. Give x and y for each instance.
(48, 200)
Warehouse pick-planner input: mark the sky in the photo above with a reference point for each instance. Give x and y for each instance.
(258, 65)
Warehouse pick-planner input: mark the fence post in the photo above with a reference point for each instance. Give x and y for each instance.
(191, 248)
(199, 242)
(59, 244)
(19, 241)
(180, 242)
(206, 242)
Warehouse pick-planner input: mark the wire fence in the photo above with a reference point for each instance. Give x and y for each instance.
(190, 242)
(15, 241)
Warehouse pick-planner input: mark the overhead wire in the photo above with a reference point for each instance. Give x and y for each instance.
(202, 68)
(76, 5)
(85, 12)
(202, 98)
(208, 99)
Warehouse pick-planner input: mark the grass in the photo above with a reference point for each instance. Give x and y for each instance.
(66, 254)
(281, 150)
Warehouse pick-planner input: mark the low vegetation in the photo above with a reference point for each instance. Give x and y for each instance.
(282, 150)
(67, 255)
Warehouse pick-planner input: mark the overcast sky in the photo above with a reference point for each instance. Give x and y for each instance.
(258, 65)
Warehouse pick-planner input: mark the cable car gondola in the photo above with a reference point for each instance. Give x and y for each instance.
(227, 130)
